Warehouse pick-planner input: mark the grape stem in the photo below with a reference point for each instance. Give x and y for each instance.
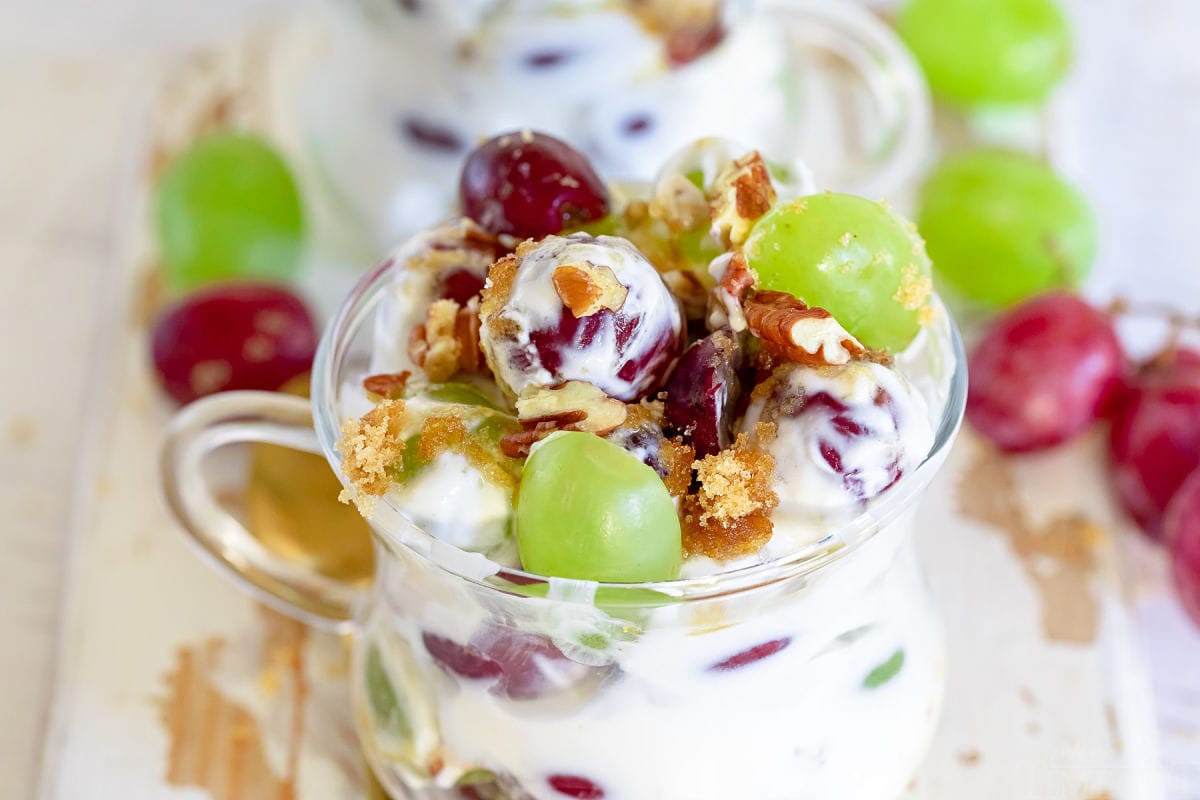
(1177, 320)
(1122, 307)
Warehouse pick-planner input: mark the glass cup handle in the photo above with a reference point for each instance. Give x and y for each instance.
(242, 417)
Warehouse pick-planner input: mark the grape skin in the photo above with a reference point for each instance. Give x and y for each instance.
(226, 208)
(589, 510)
(997, 52)
(850, 256)
(1002, 227)
(1043, 373)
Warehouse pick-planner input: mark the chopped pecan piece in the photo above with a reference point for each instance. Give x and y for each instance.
(737, 278)
(448, 341)
(586, 288)
(573, 406)
(386, 385)
(792, 330)
(601, 413)
(741, 194)
(688, 289)
(680, 203)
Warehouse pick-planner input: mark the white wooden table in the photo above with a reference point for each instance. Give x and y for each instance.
(71, 94)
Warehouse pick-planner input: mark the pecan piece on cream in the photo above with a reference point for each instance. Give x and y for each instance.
(386, 385)
(741, 193)
(586, 288)
(734, 279)
(792, 330)
(573, 406)
(448, 341)
(601, 413)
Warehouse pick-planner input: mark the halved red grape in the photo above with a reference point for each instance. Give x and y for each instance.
(1043, 373)
(1155, 441)
(530, 666)
(233, 336)
(702, 394)
(530, 185)
(575, 786)
(463, 660)
(459, 285)
(1183, 535)
(752, 655)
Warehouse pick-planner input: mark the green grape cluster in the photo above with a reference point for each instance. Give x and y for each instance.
(988, 51)
(851, 256)
(1002, 226)
(227, 208)
(589, 510)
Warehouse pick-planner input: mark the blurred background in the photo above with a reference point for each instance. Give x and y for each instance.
(83, 107)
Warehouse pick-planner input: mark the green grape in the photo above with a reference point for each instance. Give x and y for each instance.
(228, 208)
(1001, 227)
(460, 393)
(850, 256)
(988, 51)
(587, 509)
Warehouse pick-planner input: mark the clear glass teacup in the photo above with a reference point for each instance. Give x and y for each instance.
(816, 675)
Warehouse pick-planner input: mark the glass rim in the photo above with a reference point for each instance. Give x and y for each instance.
(841, 539)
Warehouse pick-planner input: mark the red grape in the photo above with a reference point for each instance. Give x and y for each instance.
(530, 185)
(702, 393)
(234, 336)
(575, 786)
(464, 660)
(1183, 533)
(1043, 373)
(1155, 442)
(752, 655)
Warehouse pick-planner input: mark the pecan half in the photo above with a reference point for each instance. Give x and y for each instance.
(741, 193)
(586, 288)
(792, 330)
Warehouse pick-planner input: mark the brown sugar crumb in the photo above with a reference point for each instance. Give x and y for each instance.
(914, 290)
(729, 516)
(722, 542)
(449, 433)
(370, 446)
(677, 459)
(439, 434)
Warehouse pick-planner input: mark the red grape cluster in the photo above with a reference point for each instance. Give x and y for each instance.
(1050, 368)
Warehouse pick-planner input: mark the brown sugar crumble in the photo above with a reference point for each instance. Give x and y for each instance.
(677, 459)
(914, 291)
(449, 433)
(729, 515)
(370, 446)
